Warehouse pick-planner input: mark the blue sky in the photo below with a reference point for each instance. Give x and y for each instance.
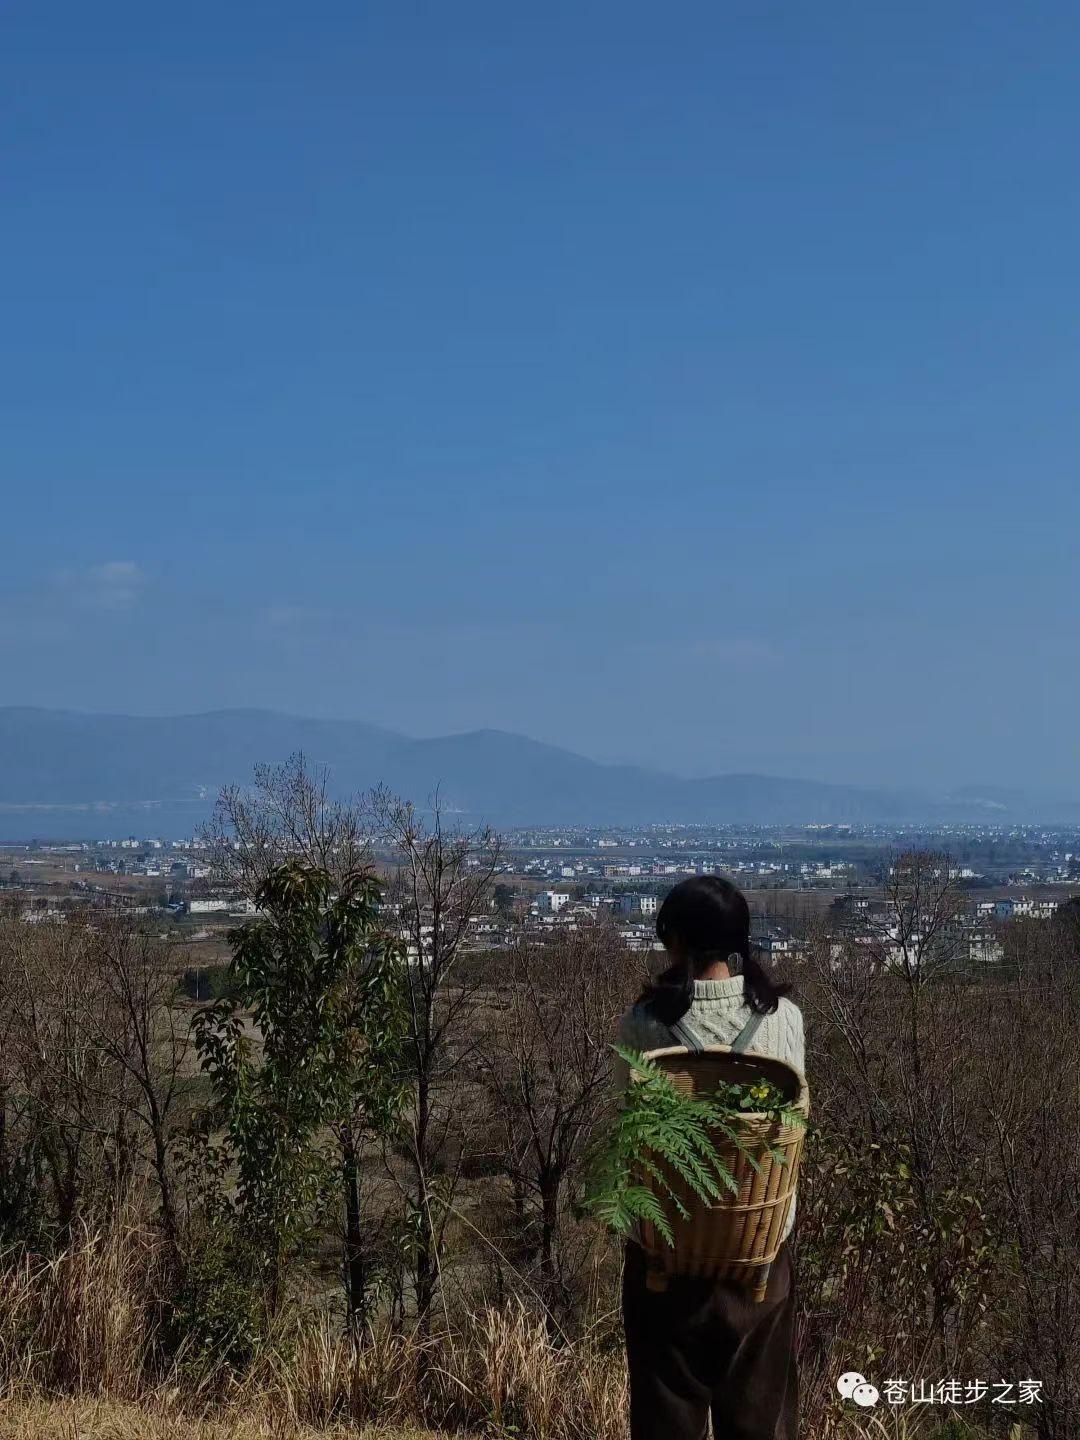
(693, 384)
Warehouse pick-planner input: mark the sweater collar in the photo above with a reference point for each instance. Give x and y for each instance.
(729, 989)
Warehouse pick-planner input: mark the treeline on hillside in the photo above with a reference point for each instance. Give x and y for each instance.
(350, 1177)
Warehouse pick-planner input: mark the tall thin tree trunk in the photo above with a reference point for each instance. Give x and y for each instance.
(550, 1182)
(426, 1266)
(356, 1282)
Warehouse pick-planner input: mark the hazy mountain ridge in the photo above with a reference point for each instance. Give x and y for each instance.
(68, 773)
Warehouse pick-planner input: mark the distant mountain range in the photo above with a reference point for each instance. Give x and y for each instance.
(71, 775)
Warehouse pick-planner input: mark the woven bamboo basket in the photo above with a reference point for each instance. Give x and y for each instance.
(738, 1237)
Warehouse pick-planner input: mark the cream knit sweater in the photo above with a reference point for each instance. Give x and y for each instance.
(718, 1013)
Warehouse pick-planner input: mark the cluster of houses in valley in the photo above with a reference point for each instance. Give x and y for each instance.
(747, 871)
(541, 896)
(905, 940)
(972, 934)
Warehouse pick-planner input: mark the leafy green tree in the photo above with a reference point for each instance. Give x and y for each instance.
(324, 985)
(504, 897)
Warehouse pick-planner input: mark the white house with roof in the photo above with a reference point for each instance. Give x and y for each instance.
(550, 902)
(637, 904)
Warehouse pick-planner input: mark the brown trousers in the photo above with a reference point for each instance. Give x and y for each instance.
(702, 1347)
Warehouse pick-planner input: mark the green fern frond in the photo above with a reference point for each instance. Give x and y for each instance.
(663, 1132)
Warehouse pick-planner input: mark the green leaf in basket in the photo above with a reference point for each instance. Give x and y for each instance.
(660, 1132)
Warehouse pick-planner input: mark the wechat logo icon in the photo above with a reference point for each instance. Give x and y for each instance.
(853, 1386)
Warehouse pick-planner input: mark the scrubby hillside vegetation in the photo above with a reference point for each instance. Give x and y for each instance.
(347, 1192)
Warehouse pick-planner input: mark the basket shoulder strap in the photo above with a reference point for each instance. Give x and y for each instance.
(686, 1035)
(742, 1041)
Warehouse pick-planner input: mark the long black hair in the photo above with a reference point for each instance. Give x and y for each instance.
(709, 920)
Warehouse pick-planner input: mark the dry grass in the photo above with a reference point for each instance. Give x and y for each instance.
(80, 1327)
(76, 1342)
(78, 1323)
(499, 1374)
(156, 1420)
